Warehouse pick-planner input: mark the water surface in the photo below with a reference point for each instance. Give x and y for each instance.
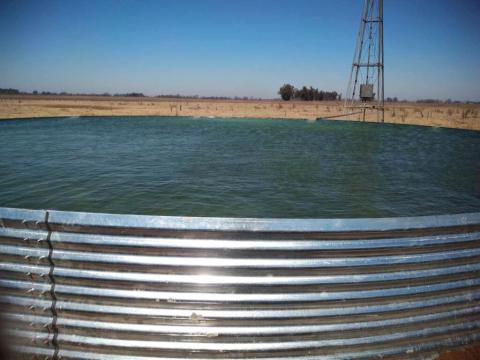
(237, 167)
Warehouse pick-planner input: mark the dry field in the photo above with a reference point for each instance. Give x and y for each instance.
(438, 115)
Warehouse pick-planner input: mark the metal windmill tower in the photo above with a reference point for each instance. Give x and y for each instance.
(365, 94)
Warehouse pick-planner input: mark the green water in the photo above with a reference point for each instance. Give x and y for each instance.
(237, 167)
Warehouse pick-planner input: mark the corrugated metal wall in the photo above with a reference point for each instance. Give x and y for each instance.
(25, 280)
(102, 286)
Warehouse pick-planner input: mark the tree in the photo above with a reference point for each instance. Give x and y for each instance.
(304, 94)
(286, 92)
(289, 92)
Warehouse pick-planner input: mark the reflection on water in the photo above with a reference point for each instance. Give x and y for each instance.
(237, 167)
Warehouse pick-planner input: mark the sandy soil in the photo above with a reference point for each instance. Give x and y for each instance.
(28, 106)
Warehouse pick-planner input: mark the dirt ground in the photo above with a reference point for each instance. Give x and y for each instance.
(29, 106)
(466, 353)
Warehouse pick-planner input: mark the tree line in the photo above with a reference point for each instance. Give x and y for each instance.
(9, 91)
(290, 92)
(130, 94)
(196, 97)
(64, 93)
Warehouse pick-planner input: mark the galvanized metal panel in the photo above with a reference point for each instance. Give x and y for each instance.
(145, 287)
(259, 244)
(260, 225)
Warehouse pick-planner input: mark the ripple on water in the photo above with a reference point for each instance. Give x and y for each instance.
(238, 167)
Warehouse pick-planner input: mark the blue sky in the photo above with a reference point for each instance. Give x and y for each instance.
(244, 48)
